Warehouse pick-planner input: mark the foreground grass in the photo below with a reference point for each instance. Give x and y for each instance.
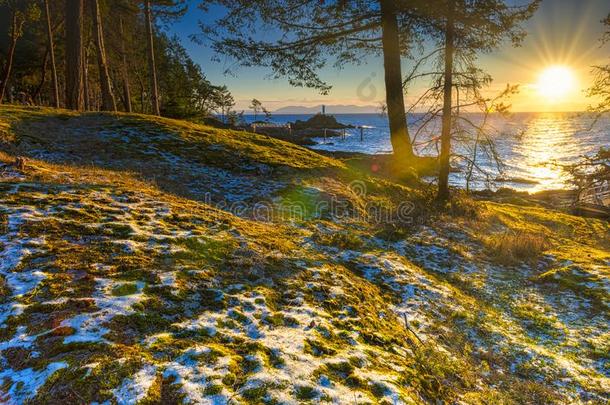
(136, 265)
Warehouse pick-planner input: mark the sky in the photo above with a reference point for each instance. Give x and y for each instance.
(562, 32)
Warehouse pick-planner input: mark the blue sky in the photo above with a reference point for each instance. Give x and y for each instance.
(562, 32)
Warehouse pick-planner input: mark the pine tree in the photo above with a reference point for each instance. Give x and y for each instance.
(152, 67)
(108, 102)
(601, 82)
(117, 58)
(21, 11)
(125, 50)
(312, 32)
(465, 28)
(74, 54)
(256, 106)
(168, 9)
(124, 67)
(51, 47)
(444, 158)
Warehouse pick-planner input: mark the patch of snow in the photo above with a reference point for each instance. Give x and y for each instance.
(194, 375)
(20, 339)
(25, 383)
(134, 389)
(168, 279)
(88, 327)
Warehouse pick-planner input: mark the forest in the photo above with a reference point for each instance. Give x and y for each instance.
(102, 55)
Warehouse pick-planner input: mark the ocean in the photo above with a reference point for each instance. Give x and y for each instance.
(531, 146)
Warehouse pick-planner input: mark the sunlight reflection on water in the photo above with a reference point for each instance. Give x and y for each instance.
(550, 140)
(531, 145)
(546, 138)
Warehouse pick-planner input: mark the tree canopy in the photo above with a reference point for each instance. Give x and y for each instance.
(184, 90)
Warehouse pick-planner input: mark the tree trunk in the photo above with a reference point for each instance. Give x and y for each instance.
(151, 59)
(86, 91)
(55, 89)
(74, 54)
(16, 26)
(443, 176)
(124, 69)
(43, 76)
(399, 134)
(108, 102)
(142, 94)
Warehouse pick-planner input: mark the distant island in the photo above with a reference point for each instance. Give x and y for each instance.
(302, 132)
(330, 109)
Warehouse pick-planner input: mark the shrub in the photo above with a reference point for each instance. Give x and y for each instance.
(513, 247)
(438, 376)
(341, 240)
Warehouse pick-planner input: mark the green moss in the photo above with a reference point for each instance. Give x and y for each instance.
(537, 318)
(213, 354)
(438, 376)
(168, 347)
(238, 316)
(170, 392)
(125, 289)
(205, 250)
(378, 389)
(318, 348)
(129, 329)
(213, 389)
(339, 369)
(305, 392)
(275, 359)
(256, 394)
(91, 385)
(227, 323)
(249, 365)
(229, 379)
(580, 282)
(279, 319)
(118, 230)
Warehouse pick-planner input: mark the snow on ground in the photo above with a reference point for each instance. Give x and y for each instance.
(88, 327)
(551, 329)
(8, 172)
(135, 389)
(25, 383)
(15, 248)
(297, 350)
(287, 363)
(171, 161)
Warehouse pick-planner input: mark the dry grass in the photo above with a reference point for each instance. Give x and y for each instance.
(514, 247)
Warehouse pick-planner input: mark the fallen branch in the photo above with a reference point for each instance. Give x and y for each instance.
(404, 315)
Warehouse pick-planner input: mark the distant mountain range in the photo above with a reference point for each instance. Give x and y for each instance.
(330, 109)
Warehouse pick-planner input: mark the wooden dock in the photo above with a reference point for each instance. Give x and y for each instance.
(594, 201)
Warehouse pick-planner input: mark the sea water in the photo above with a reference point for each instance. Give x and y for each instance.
(532, 147)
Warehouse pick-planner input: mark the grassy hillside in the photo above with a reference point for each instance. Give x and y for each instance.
(147, 260)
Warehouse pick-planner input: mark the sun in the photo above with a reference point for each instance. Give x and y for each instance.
(555, 82)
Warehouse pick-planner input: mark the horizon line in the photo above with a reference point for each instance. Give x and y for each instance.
(467, 112)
